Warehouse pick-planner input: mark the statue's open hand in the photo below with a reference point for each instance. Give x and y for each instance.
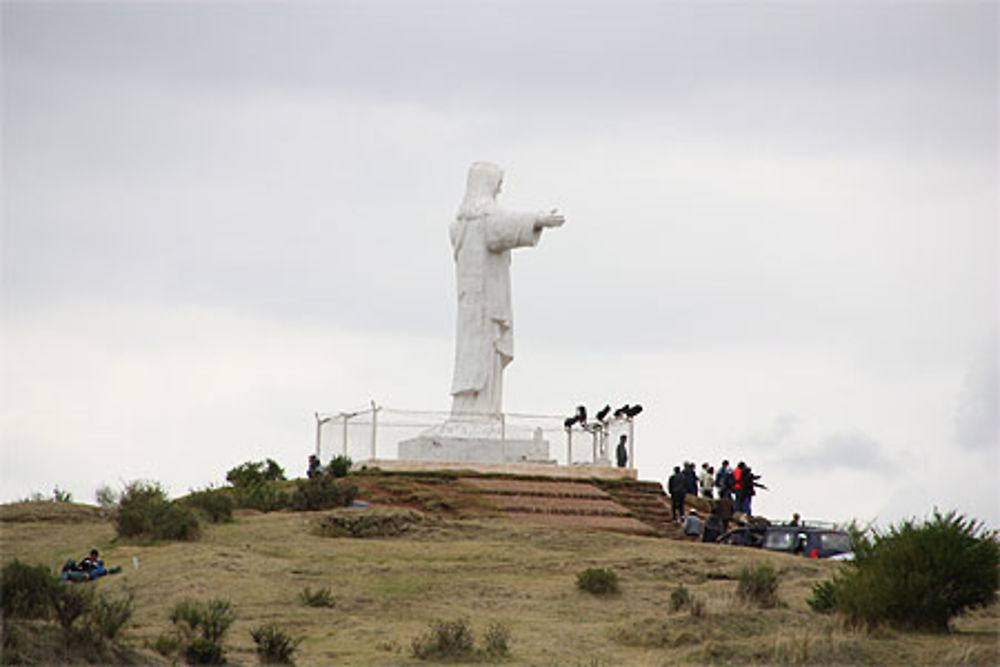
(550, 219)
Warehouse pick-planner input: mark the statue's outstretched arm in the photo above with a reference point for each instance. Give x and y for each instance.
(551, 219)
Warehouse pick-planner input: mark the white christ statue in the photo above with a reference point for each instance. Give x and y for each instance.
(482, 235)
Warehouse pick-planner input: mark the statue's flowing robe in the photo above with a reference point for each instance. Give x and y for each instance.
(485, 337)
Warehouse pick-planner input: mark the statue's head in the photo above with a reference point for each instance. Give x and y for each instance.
(481, 189)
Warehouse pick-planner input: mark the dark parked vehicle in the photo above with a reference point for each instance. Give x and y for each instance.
(744, 536)
(810, 541)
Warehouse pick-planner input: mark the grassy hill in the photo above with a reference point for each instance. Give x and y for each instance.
(482, 566)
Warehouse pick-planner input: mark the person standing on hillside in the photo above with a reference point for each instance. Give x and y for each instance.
(706, 480)
(690, 479)
(750, 486)
(738, 489)
(724, 480)
(621, 453)
(675, 487)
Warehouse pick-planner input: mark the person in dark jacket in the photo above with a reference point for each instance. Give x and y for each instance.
(750, 486)
(724, 480)
(621, 453)
(675, 487)
(723, 513)
(690, 479)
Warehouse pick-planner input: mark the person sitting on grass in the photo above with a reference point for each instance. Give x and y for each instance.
(89, 568)
(692, 525)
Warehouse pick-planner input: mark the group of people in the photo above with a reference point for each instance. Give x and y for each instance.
(88, 568)
(734, 487)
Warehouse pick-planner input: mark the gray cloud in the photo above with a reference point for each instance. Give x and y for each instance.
(977, 425)
(853, 450)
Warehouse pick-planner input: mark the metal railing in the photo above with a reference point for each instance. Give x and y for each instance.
(373, 431)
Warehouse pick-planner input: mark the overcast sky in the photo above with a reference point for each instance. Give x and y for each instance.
(781, 234)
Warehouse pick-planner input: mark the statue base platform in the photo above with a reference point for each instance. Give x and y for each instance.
(529, 469)
(473, 440)
(428, 447)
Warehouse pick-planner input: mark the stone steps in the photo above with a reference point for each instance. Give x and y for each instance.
(559, 503)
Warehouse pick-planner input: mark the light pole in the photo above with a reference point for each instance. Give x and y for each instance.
(319, 425)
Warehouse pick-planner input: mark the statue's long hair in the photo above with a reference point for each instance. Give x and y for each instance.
(480, 190)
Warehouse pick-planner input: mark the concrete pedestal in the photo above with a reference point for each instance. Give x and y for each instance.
(475, 450)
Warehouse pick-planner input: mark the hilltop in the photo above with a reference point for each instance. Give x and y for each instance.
(460, 555)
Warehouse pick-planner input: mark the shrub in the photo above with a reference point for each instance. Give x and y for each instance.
(26, 590)
(70, 603)
(323, 492)
(203, 625)
(918, 576)
(252, 488)
(274, 646)
(106, 497)
(445, 640)
(109, 616)
(166, 644)
(61, 495)
(497, 641)
(252, 473)
(758, 585)
(824, 597)
(598, 581)
(145, 511)
(319, 598)
(215, 504)
(201, 651)
(680, 597)
(339, 466)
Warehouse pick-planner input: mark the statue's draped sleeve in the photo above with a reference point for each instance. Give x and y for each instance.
(485, 318)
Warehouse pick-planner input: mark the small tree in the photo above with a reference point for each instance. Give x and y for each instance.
(916, 576)
(145, 511)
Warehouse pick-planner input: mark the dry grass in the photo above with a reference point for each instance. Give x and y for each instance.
(488, 570)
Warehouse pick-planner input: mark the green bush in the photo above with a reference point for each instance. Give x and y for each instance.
(598, 581)
(145, 511)
(758, 585)
(109, 616)
(339, 466)
(201, 651)
(203, 625)
(274, 646)
(497, 642)
(252, 473)
(445, 641)
(26, 590)
(680, 597)
(322, 492)
(824, 597)
(216, 504)
(263, 497)
(71, 603)
(917, 576)
(453, 641)
(253, 486)
(61, 495)
(318, 598)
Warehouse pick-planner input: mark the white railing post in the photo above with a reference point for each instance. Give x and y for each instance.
(631, 444)
(375, 410)
(569, 446)
(343, 437)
